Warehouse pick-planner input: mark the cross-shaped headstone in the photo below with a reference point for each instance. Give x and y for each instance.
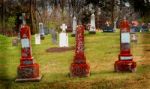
(63, 27)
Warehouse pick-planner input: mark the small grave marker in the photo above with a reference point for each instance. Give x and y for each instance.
(37, 39)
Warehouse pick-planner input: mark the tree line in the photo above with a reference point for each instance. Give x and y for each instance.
(53, 12)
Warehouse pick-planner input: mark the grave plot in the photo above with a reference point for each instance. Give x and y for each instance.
(57, 49)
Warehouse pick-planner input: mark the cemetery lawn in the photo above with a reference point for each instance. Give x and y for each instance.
(101, 52)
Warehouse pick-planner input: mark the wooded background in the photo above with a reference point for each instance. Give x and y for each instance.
(55, 12)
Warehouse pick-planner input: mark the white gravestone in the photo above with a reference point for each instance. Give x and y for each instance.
(37, 39)
(92, 26)
(63, 37)
(74, 25)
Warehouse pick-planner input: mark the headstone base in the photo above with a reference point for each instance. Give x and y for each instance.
(29, 72)
(125, 66)
(108, 30)
(73, 35)
(92, 32)
(28, 79)
(79, 70)
(42, 37)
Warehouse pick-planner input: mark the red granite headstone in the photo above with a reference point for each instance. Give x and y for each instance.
(28, 70)
(79, 67)
(125, 62)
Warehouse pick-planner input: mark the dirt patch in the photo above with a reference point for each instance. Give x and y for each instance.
(147, 50)
(60, 49)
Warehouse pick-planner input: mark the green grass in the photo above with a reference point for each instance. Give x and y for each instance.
(101, 52)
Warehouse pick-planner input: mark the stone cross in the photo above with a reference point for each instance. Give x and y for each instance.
(63, 27)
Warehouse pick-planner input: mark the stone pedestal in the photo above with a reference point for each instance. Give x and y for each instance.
(28, 70)
(74, 25)
(121, 66)
(73, 35)
(42, 37)
(125, 62)
(79, 67)
(92, 25)
(80, 70)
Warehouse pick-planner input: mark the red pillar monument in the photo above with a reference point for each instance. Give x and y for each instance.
(125, 62)
(28, 70)
(79, 67)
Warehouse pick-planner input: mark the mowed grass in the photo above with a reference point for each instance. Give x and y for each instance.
(101, 52)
